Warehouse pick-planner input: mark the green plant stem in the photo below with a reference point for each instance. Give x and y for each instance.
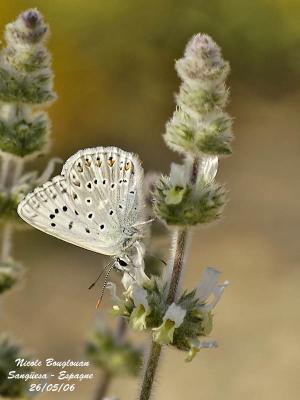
(178, 254)
(6, 242)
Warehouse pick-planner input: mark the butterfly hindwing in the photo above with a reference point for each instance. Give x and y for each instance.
(50, 209)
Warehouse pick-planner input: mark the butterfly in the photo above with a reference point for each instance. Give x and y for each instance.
(97, 202)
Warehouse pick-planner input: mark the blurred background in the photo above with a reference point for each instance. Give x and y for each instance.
(114, 67)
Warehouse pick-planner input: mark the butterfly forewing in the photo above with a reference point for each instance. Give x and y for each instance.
(94, 204)
(105, 184)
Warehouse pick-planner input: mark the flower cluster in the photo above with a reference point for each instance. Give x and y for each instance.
(178, 201)
(182, 324)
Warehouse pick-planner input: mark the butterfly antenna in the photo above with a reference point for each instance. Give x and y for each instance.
(99, 276)
(104, 286)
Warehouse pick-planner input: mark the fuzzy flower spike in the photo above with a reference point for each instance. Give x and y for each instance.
(199, 125)
(200, 131)
(26, 87)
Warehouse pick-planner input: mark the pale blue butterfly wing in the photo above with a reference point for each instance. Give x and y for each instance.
(96, 203)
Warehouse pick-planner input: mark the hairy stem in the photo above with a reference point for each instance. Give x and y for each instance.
(19, 165)
(150, 371)
(6, 242)
(178, 257)
(107, 377)
(5, 163)
(8, 179)
(195, 169)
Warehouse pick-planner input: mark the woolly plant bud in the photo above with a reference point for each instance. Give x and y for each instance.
(12, 388)
(29, 28)
(199, 125)
(195, 101)
(116, 358)
(25, 135)
(178, 202)
(211, 136)
(202, 61)
(25, 74)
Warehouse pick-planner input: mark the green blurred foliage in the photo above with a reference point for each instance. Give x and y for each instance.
(113, 357)
(114, 61)
(260, 37)
(9, 352)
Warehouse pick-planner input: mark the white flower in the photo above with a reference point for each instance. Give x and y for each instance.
(141, 310)
(203, 344)
(197, 345)
(208, 168)
(138, 269)
(208, 282)
(139, 297)
(179, 178)
(179, 175)
(172, 319)
(209, 286)
(175, 314)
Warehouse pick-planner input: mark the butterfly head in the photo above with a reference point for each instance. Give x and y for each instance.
(122, 263)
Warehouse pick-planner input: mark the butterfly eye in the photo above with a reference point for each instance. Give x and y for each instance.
(122, 263)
